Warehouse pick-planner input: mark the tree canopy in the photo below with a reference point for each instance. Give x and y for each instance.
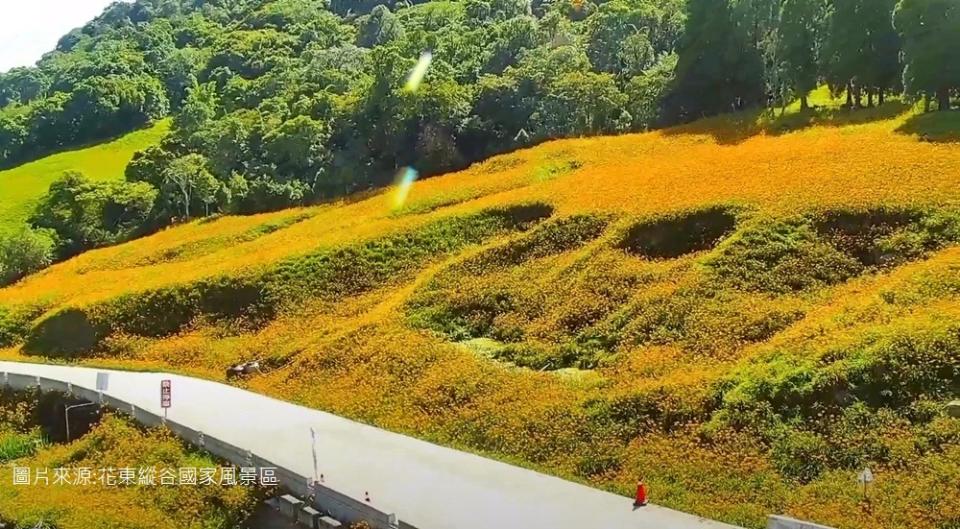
(931, 35)
(283, 102)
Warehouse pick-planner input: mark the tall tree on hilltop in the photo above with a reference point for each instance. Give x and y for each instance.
(862, 52)
(797, 47)
(719, 68)
(931, 45)
(845, 48)
(759, 19)
(882, 68)
(189, 179)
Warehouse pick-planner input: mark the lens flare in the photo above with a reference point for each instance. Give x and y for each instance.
(419, 72)
(404, 181)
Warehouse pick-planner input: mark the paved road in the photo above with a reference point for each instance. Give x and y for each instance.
(427, 486)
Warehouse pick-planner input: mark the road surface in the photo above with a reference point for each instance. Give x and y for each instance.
(427, 486)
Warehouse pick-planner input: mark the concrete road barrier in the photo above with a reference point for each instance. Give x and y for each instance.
(327, 522)
(309, 517)
(289, 505)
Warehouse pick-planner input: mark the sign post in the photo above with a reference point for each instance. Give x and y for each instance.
(165, 396)
(313, 449)
(103, 381)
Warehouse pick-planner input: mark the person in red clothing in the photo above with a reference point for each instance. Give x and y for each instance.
(641, 499)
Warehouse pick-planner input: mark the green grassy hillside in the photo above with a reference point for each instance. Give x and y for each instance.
(21, 186)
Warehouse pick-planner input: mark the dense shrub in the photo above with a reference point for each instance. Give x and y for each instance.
(25, 251)
(551, 238)
(891, 369)
(85, 214)
(15, 324)
(866, 235)
(782, 256)
(19, 409)
(477, 311)
(800, 455)
(66, 332)
(360, 267)
(705, 319)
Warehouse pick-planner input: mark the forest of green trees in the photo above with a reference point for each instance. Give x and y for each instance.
(283, 102)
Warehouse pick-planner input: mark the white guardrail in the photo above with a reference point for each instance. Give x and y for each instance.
(339, 506)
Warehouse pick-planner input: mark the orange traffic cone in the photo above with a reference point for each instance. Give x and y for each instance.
(641, 499)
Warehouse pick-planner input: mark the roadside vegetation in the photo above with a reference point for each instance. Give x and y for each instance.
(113, 443)
(20, 436)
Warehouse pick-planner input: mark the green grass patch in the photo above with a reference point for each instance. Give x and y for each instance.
(15, 445)
(555, 169)
(22, 186)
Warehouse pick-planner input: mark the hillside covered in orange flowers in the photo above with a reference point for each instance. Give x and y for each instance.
(745, 311)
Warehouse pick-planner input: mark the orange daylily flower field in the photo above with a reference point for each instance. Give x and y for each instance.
(744, 315)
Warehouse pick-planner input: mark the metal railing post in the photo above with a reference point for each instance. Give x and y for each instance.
(66, 414)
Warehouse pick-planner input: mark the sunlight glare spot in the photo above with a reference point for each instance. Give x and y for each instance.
(419, 72)
(404, 181)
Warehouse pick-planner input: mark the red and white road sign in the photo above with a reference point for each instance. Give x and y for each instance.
(165, 394)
